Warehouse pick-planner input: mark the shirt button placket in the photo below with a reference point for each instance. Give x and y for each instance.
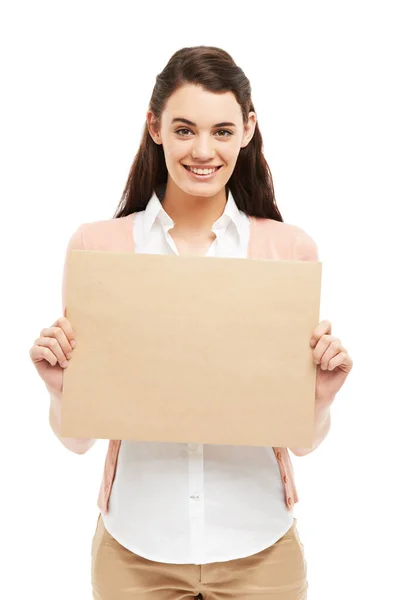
(196, 502)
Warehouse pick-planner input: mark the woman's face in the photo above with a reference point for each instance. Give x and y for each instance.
(202, 130)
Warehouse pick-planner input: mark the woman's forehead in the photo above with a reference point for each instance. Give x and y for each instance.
(201, 106)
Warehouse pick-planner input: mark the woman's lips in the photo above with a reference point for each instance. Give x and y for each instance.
(201, 177)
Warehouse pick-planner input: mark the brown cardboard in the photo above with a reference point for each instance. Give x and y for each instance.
(191, 349)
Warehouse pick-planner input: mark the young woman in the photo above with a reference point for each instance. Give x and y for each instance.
(180, 521)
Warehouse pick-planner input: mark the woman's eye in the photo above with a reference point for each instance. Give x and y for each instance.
(224, 131)
(182, 132)
(179, 131)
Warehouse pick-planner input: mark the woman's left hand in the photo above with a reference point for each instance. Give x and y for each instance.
(333, 362)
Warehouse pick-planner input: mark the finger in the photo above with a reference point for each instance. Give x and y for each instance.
(58, 334)
(323, 345)
(38, 353)
(66, 326)
(337, 360)
(331, 352)
(334, 348)
(52, 344)
(323, 328)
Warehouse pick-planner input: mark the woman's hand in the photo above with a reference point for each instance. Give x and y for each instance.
(51, 352)
(333, 362)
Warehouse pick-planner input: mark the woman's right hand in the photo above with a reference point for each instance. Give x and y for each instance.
(51, 352)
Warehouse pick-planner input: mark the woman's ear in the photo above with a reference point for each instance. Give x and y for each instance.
(153, 126)
(249, 129)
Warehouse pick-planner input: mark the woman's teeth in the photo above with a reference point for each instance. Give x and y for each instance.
(201, 171)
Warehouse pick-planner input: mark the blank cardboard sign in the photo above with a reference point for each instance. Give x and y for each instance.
(191, 349)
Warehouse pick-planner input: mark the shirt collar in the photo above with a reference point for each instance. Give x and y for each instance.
(231, 214)
(155, 211)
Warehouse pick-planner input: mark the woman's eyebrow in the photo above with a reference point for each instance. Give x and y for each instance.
(223, 124)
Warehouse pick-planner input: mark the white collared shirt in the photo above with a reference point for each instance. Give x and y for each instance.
(193, 503)
(152, 226)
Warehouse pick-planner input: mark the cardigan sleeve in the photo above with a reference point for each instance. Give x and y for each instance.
(307, 249)
(75, 243)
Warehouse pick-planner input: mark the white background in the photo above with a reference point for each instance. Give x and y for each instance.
(76, 81)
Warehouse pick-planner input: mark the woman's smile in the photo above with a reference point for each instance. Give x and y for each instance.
(201, 174)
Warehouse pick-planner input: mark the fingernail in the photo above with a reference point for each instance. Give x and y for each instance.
(312, 342)
(64, 364)
(69, 355)
(73, 343)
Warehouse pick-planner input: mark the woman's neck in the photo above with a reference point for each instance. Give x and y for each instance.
(195, 214)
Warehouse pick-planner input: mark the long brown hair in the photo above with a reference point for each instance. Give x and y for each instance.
(215, 71)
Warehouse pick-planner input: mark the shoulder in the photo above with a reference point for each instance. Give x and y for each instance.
(110, 234)
(284, 240)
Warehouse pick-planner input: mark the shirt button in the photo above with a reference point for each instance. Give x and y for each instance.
(195, 497)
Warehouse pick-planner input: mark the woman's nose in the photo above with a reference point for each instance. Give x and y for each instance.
(203, 149)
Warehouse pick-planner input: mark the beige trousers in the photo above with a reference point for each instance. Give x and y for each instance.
(277, 573)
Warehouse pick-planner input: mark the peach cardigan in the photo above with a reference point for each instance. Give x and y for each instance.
(269, 239)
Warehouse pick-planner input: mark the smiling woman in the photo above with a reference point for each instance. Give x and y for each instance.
(201, 117)
(208, 157)
(180, 519)
(208, 152)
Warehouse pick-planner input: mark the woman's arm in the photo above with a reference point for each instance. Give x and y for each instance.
(322, 424)
(77, 445)
(307, 249)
